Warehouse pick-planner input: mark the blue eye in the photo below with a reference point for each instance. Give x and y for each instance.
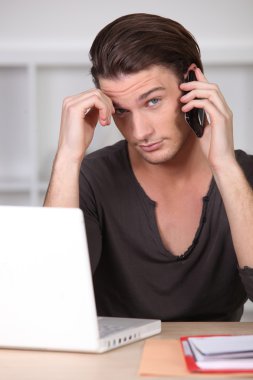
(153, 102)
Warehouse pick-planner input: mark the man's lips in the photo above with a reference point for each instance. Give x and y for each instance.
(150, 147)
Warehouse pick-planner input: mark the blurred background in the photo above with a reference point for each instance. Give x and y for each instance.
(44, 57)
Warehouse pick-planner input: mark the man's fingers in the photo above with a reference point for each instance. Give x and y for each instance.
(84, 104)
(211, 95)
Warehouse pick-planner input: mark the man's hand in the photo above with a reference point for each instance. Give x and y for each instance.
(80, 115)
(217, 141)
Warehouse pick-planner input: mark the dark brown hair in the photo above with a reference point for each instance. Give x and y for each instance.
(137, 41)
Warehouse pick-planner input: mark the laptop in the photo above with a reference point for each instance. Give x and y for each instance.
(46, 291)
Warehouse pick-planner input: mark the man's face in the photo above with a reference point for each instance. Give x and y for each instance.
(148, 113)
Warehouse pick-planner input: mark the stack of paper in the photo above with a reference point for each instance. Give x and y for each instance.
(219, 353)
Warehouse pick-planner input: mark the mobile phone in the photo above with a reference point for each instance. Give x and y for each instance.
(195, 117)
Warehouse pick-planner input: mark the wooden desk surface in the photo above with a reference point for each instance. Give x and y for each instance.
(120, 364)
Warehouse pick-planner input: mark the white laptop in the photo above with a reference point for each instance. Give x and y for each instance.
(46, 291)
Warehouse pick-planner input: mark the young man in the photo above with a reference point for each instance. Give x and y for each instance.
(169, 216)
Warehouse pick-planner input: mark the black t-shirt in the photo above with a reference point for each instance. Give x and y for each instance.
(134, 275)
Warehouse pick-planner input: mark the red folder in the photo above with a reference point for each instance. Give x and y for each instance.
(192, 364)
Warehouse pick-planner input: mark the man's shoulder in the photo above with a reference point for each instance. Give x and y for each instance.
(107, 152)
(243, 157)
(106, 168)
(110, 160)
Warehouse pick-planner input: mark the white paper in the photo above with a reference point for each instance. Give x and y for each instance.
(219, 345)
(237, 364)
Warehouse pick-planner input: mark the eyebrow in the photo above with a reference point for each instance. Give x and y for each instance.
(146, 94)
(143, 96)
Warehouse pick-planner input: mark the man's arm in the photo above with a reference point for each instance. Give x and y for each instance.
(217, 144)
(237, 196)
(63, 189)
(80, 114)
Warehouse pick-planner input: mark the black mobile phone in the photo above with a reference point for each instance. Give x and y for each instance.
(196, 117)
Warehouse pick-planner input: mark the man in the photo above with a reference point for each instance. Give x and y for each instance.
(169, 216)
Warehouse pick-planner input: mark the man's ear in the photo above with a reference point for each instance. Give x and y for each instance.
(192, 67)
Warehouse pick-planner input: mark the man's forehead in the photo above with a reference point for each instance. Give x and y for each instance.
(139, 83)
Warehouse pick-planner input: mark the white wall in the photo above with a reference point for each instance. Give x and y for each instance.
(211, 21)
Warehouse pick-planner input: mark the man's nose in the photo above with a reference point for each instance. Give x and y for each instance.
(141, 127)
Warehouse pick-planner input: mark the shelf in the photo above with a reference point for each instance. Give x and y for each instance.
(14, 132)
(214, 53)
(14, 186)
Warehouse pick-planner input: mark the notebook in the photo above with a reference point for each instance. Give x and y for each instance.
(218, 353)
(46, 291)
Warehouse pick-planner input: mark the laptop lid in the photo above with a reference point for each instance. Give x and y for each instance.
(46, 291)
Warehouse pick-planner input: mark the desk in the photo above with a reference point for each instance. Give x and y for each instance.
(120, 364)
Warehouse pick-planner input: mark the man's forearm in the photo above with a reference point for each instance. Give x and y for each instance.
(63, 189)
(237, 196)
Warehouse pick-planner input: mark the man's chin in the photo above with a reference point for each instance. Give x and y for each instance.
(157, 158)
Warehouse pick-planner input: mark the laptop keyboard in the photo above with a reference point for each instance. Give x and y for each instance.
(106, 329)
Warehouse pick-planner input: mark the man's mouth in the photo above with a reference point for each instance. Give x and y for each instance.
(151, 146)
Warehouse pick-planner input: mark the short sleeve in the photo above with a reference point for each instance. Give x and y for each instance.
(246, 162)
